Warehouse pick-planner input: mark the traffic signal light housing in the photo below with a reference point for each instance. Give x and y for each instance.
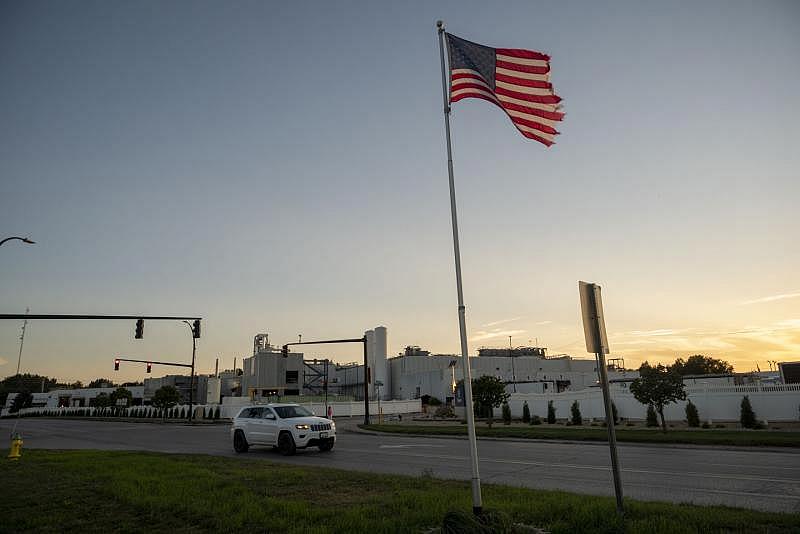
(116, 365)
(149, 367)
(285, 351)
(196, 329)
(139, 328)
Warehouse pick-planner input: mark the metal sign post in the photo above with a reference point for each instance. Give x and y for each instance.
(594, 329)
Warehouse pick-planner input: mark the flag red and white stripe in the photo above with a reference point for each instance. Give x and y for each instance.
(516, 80)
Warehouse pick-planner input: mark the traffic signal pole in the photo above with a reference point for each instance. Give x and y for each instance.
(191, 380)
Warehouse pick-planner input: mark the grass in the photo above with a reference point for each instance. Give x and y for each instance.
(99, 491)
(697, 437)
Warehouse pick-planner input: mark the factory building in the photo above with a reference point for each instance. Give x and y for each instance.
(436, 375)
(267, 373)
(206, 388)
(410, 375)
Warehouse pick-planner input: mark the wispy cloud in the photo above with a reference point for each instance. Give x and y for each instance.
(650, 333)
(3, 361)
(542, 323)
(481, 336)
(771, 298)
(502, 321)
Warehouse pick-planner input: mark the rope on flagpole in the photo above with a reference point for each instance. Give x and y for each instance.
(473, 443)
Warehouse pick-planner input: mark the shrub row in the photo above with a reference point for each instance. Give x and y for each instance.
(747, 416)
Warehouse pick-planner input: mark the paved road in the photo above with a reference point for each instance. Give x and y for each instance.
(762, 479)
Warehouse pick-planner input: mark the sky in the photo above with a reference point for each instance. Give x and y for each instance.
(280, 167)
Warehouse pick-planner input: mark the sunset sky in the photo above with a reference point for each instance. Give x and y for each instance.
(280, 167)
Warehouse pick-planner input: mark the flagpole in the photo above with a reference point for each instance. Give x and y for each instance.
(473, 444)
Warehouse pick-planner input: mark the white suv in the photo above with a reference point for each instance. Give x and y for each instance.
(285, 426)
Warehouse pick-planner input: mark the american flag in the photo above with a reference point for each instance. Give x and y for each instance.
(516, 80)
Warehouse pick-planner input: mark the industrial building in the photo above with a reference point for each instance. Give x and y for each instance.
(72, 398)
(206, 388)
(410, 375)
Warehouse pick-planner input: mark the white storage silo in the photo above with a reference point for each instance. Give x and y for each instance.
(380, 365)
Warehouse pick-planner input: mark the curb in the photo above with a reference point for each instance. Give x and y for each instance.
(745, 448)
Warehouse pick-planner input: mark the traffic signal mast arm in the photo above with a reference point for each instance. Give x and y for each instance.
(125, 317)
(153, 362)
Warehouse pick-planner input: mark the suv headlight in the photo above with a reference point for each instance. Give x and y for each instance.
(302, 427)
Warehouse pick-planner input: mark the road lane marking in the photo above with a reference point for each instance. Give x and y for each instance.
(405, 446)
(589, 467)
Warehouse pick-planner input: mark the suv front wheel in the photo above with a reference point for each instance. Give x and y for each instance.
(326, 445)
(240, 442)
(286, 444)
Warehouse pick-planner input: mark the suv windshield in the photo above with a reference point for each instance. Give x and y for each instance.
(286, 412)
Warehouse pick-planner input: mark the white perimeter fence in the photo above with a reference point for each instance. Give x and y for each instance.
(230, 407)
(716, 403)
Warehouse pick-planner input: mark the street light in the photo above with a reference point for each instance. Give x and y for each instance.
(23, 239)
(191, 379)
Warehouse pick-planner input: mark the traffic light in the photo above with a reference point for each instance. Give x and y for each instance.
(149, 367)
(116, 365)
(285, 351)
(139, 328)
(196, 329)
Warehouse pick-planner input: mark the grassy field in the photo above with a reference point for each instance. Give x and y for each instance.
(697, 437)
(93, 491)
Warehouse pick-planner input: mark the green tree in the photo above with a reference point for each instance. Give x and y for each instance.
(551, 413)
(701, 365)
(165, 398)
(488, 392)
(746, 415)
(658, 386)
(576, 413)
(24, 399)
(526, 413)
(102, 400)
(506, 414)
(692, 417)
(652, 418)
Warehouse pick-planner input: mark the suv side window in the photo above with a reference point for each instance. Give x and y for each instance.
(251, 413)
(268, 414)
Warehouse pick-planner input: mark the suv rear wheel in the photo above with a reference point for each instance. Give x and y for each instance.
(240, 442)
(286, 444)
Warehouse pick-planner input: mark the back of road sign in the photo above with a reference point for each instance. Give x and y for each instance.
(594, 325)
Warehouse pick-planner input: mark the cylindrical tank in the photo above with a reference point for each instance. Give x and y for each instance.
(370, 335)
(381, 365)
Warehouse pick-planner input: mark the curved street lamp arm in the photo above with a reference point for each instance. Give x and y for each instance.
(23, 239)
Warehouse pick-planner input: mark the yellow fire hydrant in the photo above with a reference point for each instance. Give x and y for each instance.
(16, 447)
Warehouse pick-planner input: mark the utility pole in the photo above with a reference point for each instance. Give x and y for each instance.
(21, 343)
(195, 335)
(19, 361)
